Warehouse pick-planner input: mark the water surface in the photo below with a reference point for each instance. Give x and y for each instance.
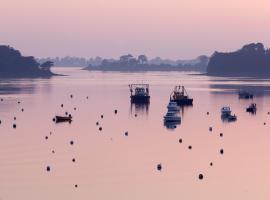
(110, 165)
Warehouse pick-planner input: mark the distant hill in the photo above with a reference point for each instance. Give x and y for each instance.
(141, 63)
(252, 60)
(14, 65)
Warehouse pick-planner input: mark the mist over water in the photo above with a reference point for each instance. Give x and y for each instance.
(110, 165)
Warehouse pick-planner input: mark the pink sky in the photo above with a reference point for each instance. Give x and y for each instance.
(109, 28)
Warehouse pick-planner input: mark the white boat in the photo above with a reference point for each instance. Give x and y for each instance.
(226, 111)
(172, 106)
(172, 117)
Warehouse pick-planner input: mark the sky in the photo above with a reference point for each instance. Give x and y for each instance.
(109, 28)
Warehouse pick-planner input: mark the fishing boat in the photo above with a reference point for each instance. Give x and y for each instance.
(245, 95)
(139, 93)
(63, 118)
(226, 111)
(172, 116)
(252, 108)
(180, 96)
(172, 106)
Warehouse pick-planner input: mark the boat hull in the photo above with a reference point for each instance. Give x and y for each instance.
(62, 119)
(140, 99)
(183, 102)
(252, 110)
(245, 96)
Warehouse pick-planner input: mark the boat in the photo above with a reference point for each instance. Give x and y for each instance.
(172, 116)
(245, 95)
(252, 108)
(180, 96)
(172, 106)
(139, 93)
(58, 118)
(226, 111)
(226, 114)
(231, 118)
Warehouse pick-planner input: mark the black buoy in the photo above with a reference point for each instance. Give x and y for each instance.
(14, 126)
(221, 134)
(211, 164)
(126, 133)
(75, 108)
(87, 97)
(115, 111)
(200, 176)
(207, 113)
(97, 123)
(66, 113)
(14, 118)
(71, 96)
(71, 142)
(54, 119)
(46, 137)
(180, 140)
(210, 128)
(76, 186)
(159, 167)
(189, 147)
(0, 122)
(19, 102)
(136, 115)
(100, 129)
(22, 109)
(102, 116)
(48, 168)
(264, 123)
(62, 105)
(73, 160)
(53, 151)
(221, 151)
(2, 99)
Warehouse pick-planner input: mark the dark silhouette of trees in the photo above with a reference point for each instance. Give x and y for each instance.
(130, 63)
(13, 64)
(46, 66)
(252, 60)
(142, 59)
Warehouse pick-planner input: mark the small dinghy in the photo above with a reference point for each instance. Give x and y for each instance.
(58, 118)
(252, 108)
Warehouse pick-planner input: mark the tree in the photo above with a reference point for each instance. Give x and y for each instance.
(125, 58)
(142, 59)
(46, 66)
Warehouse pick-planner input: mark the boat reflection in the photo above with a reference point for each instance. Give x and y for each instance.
(171, 125)
(139, 108)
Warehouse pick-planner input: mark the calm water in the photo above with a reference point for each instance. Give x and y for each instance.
(110, 165)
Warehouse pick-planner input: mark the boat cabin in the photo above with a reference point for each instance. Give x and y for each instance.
(139, 93)
(180, 96)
